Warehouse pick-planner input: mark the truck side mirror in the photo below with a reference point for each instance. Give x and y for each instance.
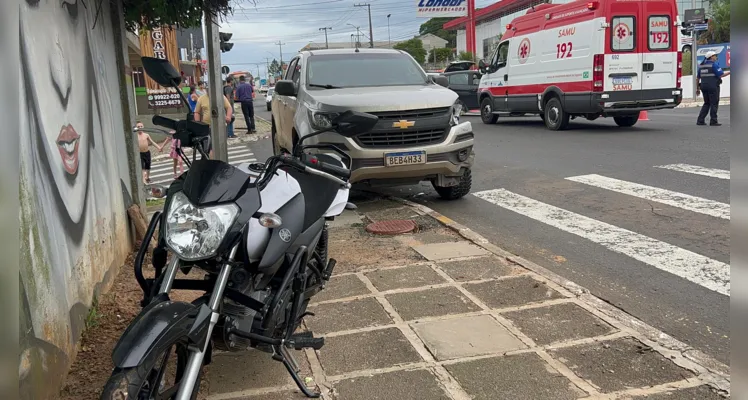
(482, 66)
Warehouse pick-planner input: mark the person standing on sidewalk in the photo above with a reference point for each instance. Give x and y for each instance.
(228, 91)
(244, 94)
(144, 143)
(202, 114)
(192, 98)
(710, 78)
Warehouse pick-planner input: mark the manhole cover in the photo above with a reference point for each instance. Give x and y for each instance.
(392, 227)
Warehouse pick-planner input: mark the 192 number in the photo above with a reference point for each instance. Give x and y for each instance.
(563, 50)
(660, 37)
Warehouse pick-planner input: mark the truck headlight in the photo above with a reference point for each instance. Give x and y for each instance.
(194, 233)
(320, 119)
(454, 117)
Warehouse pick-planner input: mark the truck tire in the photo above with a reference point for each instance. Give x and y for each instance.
(486, 112)
(556, 119)
(459, 191)
(626, 121)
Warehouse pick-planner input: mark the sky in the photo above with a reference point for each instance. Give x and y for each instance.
(258, 27)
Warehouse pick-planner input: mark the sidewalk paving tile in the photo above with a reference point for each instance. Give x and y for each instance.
(343, 316)
(620, 364)
(443, 251)
(465, 337)
(347, 218)
(253, 369)
(285, 395)
(355, 249)
(477, 268)
(402, 278)
(512, 292)
(559, 322)
(340, 287)
(414, 384)
(431, 303)
(517, 377)
(397, 212)
(366, 350)
(703, 392)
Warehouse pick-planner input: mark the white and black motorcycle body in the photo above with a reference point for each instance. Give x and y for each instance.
(259, 232)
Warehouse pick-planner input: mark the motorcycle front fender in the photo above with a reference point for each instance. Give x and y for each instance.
(155, 329)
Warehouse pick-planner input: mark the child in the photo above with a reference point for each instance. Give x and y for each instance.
(144, 142)
(175, 156)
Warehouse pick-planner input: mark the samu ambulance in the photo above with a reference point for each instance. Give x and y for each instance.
(609, 58)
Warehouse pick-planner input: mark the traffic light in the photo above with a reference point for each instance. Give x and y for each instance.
(225, 37)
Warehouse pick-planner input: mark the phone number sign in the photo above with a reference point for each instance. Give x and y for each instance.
(163, 98)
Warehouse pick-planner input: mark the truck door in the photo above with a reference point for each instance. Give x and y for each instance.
(660, 52)
(623, 64)
(501, 77)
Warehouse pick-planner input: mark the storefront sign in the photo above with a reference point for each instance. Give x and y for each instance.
(161, 43)
(441, 8)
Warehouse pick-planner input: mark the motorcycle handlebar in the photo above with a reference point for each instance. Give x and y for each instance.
(313, 167)
(165, 122)
(340, 172)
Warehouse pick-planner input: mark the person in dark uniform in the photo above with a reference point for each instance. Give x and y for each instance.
(710, 78)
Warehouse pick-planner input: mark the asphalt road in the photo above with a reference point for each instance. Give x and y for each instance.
(573, 202)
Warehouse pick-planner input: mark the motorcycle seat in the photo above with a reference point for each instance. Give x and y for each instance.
(319, 192)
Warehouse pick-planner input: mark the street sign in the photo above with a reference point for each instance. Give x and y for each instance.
(694, 16)
(225, 69)
(701, 27)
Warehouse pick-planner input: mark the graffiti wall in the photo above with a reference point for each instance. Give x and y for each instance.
(74, 182)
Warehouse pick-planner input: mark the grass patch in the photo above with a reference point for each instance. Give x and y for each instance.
(155, 202)
(92, 318)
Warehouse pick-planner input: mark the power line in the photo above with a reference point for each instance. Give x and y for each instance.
(327, 45)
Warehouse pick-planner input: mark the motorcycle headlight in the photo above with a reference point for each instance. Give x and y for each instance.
(454, 119)
(194, 233)
(321, 120)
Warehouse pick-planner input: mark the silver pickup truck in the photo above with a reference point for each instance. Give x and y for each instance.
(419, 136)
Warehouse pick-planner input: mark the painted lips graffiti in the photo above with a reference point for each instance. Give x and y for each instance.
(67, 143)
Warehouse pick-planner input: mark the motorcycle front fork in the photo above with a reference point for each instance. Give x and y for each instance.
(195, 360)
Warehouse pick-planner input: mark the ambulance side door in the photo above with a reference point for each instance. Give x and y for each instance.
(500, 77)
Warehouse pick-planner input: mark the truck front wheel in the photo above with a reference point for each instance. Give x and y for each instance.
(556, 119)
(486, 111)
(459, 191)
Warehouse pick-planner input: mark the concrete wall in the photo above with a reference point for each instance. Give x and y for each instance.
(74, 180)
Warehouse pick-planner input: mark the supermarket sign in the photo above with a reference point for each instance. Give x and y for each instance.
(441, 8)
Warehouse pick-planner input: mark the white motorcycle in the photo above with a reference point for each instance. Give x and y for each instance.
(259, 232)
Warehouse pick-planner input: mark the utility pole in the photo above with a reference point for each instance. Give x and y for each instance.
(215, 92)
(327, 46)
(280, 47)
(371, 31)
(389, 41)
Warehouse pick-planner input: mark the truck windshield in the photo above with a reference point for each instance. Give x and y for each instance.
(362, 70)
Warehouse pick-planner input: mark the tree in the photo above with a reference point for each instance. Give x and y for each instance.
(442, 54)
(414, 47)
(719, 22)
(149, 14)
(466, 56)
(274, 68)
(434, 26)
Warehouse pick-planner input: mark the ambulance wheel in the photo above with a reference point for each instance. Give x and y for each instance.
(556, 119)
(486, 112)
(626, 121)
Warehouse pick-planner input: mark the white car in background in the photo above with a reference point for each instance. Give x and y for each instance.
(269, 97)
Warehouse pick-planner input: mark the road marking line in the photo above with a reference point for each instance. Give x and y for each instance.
(240, 151)
(711, 274)
(695, 169)
(675, 199)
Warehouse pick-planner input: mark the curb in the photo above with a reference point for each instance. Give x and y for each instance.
(677, 351)
(693, 103)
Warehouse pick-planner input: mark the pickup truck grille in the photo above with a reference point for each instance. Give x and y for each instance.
(430, 126)
(402, 139)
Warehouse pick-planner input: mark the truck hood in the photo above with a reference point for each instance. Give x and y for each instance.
(388, 98)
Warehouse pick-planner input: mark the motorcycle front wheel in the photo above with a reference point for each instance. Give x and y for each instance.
(155, 379)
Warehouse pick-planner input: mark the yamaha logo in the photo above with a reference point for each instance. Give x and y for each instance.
(285, 235)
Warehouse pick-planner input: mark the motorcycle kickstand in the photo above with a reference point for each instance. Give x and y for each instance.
(292, 366)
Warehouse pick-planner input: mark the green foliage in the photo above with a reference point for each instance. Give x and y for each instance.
(149, 14)
(92, 318)
(466, 56)
(414, 47)
(442, 55)
(687, 67)
(434, 26)
(719, 22)
(274, 68)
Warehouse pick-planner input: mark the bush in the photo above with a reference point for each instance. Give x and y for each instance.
(687, 67)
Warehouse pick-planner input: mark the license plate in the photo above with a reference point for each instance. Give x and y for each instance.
(623, 81)
(405, 158)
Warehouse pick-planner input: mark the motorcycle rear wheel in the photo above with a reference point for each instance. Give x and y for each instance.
(136, 383)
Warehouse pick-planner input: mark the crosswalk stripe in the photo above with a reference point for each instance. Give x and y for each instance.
(239, 151)
(695, 169)
(704, 271)
(664, 196)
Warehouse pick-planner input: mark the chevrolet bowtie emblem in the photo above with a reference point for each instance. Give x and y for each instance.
(403, 124)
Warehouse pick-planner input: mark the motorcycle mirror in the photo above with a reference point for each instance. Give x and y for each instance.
(161, 71)
(353, 123)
